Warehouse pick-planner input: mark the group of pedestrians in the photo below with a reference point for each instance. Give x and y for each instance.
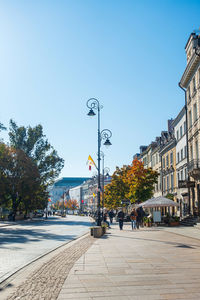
(136, 217)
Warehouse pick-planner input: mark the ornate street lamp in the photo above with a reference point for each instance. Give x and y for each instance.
(106, 172)
(93, 104)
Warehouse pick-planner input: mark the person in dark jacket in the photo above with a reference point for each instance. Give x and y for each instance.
(121, 219)
(140, 217)
(111, 216)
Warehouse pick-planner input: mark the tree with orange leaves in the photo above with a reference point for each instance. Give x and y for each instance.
(72, 204)
(132, 182)
(141, 182)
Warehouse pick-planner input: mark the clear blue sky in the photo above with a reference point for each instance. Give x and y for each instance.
(54, 55)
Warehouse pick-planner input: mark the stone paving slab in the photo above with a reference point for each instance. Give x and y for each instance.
(143, 264)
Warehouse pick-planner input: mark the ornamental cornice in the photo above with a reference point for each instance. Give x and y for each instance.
(190, 70)
(168, 146)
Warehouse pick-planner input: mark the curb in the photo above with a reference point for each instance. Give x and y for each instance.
(4, 282)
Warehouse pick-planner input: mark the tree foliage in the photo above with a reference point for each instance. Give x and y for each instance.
(141, 182)
(2, 127)
(34, 143)
(27, 167)
(132, 182)
(117, 190)
(20, 181)
(72, 204)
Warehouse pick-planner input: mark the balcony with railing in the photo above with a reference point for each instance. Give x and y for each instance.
(194, 168)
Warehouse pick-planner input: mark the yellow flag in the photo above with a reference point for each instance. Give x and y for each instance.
(91, 162)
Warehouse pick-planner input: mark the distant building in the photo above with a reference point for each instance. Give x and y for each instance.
(63, 185)
(86, 193)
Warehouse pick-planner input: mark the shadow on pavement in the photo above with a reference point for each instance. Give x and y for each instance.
(22, 236)
(176, 244)
(55, 221)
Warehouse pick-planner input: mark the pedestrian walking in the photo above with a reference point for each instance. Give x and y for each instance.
(121, 219)
(133, 217)
(111, 216)
(140, 217)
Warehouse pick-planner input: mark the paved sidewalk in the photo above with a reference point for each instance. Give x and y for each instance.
(192, 232)
(144, 264)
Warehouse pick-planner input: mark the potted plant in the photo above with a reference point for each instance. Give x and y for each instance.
(104, 226)
(174, 221)
(145, 221)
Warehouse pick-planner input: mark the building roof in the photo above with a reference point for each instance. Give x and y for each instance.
(179, 116)
(70, 181)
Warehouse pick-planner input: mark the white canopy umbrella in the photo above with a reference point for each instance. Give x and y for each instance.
(158, 202)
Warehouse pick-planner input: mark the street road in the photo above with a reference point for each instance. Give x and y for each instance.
(23, 243)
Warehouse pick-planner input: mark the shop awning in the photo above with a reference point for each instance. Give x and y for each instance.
(158, 202)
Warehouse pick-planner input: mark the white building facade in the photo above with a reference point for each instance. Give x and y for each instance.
(181, 161)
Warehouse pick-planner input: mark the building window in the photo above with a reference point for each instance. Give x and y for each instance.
(190, 118)
(185, 173)
(181, 154)
(181, 174)
(163, 162)
(164, 183)
(188, 92)
(197, 150)
(185, 150)
(177, 135)
(156, 158)
(168, 184)
(171, 158)
(172, 182)
(184, 127)
(194, 84)
(191, 152)
(195, 112)
(167, 161)
(178, 176)
(178, 157)
(181, 132)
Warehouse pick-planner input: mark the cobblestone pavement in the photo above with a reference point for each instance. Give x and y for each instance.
(46, 282)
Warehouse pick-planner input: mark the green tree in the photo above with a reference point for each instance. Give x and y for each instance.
(34, 143)
(2, 127)
(19, 179)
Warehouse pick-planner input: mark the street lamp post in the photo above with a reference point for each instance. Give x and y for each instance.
(105, 171)
(93, 104)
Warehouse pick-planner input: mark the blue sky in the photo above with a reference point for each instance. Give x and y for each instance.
(54, 55)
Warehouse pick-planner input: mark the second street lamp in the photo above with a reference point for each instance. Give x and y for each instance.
(93, 104)
(105, 173)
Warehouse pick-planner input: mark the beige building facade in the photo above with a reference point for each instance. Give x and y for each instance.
(190, 81)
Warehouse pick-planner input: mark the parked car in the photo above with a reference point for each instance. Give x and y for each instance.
(38, 213)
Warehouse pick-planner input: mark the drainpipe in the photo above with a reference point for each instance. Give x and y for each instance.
(186, 116)
(161, 175)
